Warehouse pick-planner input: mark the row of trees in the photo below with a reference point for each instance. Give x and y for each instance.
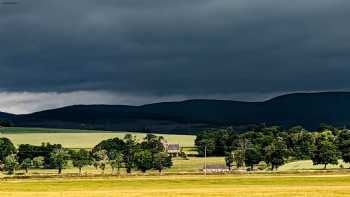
(5, 123)
(118, 153)
(275, 145)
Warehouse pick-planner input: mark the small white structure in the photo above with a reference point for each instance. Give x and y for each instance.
(172, 149)
(215, 168)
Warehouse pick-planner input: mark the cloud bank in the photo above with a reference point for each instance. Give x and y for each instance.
(171, 49)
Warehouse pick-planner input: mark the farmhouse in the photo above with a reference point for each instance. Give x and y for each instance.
(173, 149)
(215, 168)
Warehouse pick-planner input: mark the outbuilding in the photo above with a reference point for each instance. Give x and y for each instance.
(215, 168)
(173, 149)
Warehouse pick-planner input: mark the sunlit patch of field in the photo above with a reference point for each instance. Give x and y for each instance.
(193, 164)
(191, 186)
(308, 165)
(71, 138)
(190, 165)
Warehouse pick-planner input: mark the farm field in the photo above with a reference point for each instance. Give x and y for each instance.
(191, 165)
(189, 186)
(85, 138)
(88, 138)
(307, 165)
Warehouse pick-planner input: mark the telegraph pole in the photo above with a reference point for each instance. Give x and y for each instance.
(244, 149)
(205, 160)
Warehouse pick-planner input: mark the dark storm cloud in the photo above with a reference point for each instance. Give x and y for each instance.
(167, 47)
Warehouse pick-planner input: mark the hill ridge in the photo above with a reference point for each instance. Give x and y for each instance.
(307, 109)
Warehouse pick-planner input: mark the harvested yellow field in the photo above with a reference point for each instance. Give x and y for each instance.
(188, 186)
(225, 192)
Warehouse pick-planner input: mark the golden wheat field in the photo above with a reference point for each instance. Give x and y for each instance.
(187, 186)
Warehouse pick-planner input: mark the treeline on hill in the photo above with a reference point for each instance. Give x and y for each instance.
(125, 153)
(5, 123)
(275, 145)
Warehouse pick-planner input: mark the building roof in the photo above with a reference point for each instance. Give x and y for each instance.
(216, 166)
(173, 147)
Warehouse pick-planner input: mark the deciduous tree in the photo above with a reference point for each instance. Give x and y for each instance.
(238, 157)
(10, 164)
(6, 148)
(26, 164)
(144, 160)
(59, 159)
(229, 160)
(38, 162)
(161, 161)
(252, 157)
(115, 160)
(81, 158)
(101, 157)
(276, 153)
(344, 145)
(325, 151)
(129, 152)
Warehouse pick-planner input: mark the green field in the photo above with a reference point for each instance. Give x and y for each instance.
(189, 186)
(190, 166)
(307, 165)
(184, 179)
(71, 138)
(88, 138)
(193, 164)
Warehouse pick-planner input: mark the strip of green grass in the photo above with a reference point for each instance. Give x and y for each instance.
(308, 165)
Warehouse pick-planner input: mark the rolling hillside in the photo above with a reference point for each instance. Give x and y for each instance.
(4, 115)
(307, 109)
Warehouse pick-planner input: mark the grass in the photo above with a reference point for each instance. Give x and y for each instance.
(307, 165)
(86, 138)
(196, 163)
(190, 166)
(190, 186)
(89, 138)
(193, 164)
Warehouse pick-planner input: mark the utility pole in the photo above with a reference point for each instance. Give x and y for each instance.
(205, 160)
(243, 147)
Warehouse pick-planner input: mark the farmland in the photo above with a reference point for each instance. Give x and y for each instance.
(184, 178)
(307, 165)
(85, 138)
(71, 138)
(192, 165)
(191, 186)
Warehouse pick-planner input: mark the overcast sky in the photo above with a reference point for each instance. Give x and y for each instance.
(59, 52)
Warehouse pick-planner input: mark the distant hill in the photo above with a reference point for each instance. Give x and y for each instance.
(307, 109)
(5, 119)
(4, 115)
